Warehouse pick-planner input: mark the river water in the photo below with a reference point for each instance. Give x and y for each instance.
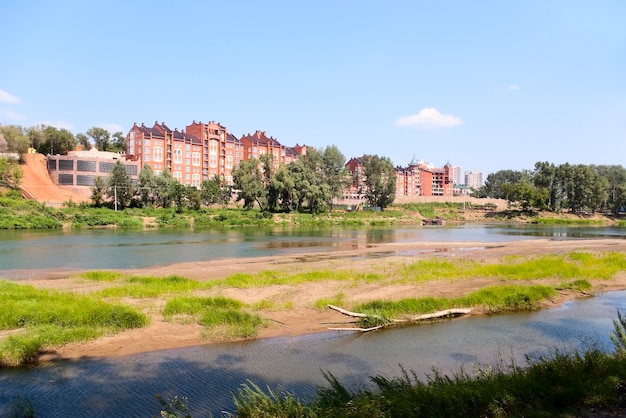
(208, 375)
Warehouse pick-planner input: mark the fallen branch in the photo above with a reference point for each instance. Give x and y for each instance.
(417, 318)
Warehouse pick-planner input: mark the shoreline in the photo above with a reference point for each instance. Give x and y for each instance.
(300, 318)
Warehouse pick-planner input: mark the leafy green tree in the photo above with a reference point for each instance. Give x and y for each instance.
(178, 196)
(526, 194)
(495, 182)
(282, 194)
(101, 138)
(334, 170)
(36, 136)
(215, 190)
(15, 138)
(118, 143)
(615, 176)
(147, 186)
(580, 187)
(119, 187)
(165, 189)
(83, 140)
(57, 141)
(380, 180)
(546, 181)
(193, 197)
(97, 191)
(248, 181)
(10, 173)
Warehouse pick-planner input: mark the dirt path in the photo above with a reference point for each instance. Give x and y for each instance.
(289, 308)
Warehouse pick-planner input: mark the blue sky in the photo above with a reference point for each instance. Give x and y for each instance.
(487, 85)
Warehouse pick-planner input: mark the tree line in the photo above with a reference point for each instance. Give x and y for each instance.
(565, 187)
(308, 184)
(52, 140)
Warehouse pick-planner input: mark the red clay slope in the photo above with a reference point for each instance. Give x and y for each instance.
(37, 184)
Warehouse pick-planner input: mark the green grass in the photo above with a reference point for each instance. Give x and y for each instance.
(47, 318)
(151, 287)
(102, 276)
(492, 299)
(559, 385)
(218, 314)
(99, 217)
(574, 265)
(275, 277)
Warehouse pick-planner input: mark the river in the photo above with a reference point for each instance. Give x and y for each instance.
(208, 375)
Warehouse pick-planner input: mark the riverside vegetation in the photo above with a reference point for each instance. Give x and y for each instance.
(40, 320)
(34, 320)
(37, 320)
(18, 213)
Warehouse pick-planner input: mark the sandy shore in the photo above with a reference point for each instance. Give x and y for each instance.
(291, 309)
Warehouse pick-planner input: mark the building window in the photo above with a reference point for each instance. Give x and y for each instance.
(229, 161)
(158, 154)
(178, 176)
(146, 158)
(213, 161)
(195, 180)
(146, 142)
(195, 159)
(178, 156)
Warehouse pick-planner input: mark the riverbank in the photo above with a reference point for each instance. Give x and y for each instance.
(290, 309)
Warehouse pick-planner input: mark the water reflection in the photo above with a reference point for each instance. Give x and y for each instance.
(208, 375)
(116, 249)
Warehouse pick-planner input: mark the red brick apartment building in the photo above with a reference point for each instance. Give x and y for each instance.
(418, 179)
(202, 151)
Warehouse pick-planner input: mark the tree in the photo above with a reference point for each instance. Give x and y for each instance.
(101, 138)
(248, 182)
(119, 187)
(84, 141)
(36, 136)
(495, 182)
(118, 144)
(10, 173)
(57, 141)
(282, 190)
(3, 144)
(97, 191)
(380, 180)
(525, 193)
(615, 176)
(15, 138)
(147, 186)
(165, 189)
(334, 171)
(215, 190)
(546, 181)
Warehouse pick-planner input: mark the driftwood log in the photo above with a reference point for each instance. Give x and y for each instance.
(417, 318)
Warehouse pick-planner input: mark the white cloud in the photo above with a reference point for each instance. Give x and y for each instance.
(512, 87)
(111, 127)
(428, 117)
(6, 97)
